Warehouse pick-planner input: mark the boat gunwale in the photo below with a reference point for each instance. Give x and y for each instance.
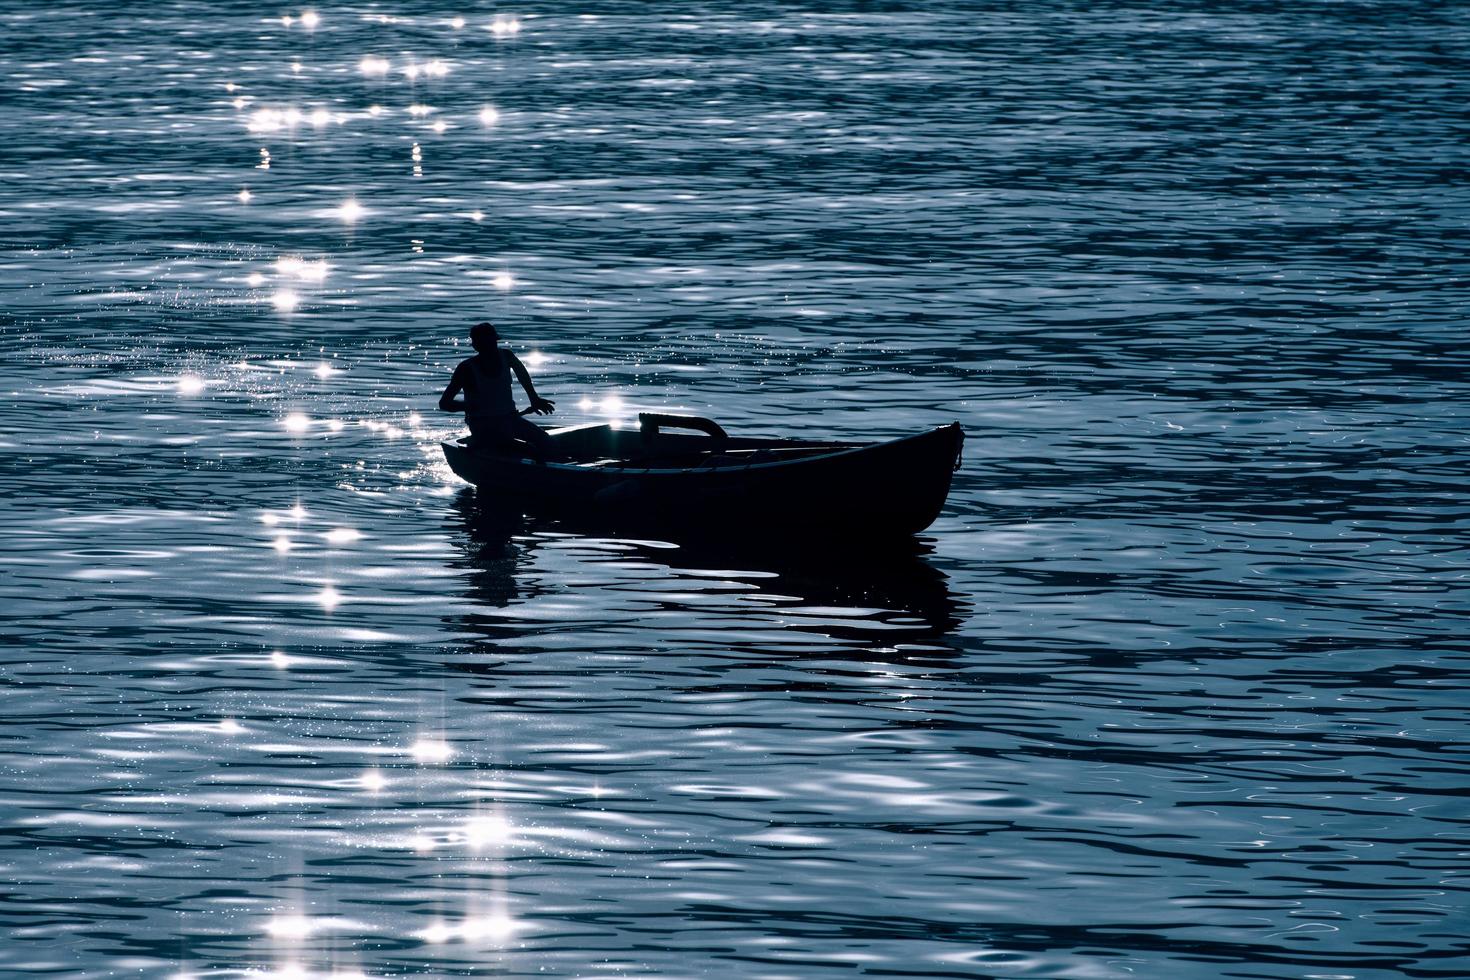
(845, 450)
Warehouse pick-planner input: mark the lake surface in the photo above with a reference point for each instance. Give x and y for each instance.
(1174, 688)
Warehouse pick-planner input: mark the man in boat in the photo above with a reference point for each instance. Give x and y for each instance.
(489, 410)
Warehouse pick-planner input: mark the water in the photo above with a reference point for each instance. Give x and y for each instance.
(1174, 688)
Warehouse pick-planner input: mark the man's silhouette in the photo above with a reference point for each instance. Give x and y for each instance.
(489, 410)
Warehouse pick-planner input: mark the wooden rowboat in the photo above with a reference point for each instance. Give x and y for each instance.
(712, 481)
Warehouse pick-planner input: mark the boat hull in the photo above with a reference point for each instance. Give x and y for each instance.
(891, 488)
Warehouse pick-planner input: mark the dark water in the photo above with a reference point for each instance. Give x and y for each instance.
(1175, 687)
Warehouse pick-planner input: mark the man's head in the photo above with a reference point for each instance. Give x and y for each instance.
(483, 337)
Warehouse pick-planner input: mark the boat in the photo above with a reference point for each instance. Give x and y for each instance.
(706, 480)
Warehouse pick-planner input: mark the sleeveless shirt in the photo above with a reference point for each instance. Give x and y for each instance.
(487, 386)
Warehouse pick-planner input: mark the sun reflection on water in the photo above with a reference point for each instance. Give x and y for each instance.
(487, 831)
(427, 750)
(291, 265)
(436, 933)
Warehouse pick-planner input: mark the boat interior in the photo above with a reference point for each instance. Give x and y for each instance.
(651, 444)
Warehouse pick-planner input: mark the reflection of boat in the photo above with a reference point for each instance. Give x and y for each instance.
(650, 476)
(879, 596)
(863, 584)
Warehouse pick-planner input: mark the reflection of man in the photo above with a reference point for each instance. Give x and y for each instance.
(489, 410)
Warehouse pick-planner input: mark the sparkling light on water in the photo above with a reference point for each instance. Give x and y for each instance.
(436, 933)
(290, 927)
(291, 265)
(482, 832)
(265, 121)
(489, 115)
(190, 384)
(350, 211)
(496, 927)
(431, 750)
(296, 422)
(285, 300)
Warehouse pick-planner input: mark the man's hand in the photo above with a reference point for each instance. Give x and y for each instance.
(541, 406)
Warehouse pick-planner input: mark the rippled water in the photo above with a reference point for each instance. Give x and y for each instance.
(1173, 689)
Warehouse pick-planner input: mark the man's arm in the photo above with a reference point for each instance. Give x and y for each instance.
(447, 401)
(539, 405)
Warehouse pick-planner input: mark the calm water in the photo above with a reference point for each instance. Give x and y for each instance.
(1173, 689)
